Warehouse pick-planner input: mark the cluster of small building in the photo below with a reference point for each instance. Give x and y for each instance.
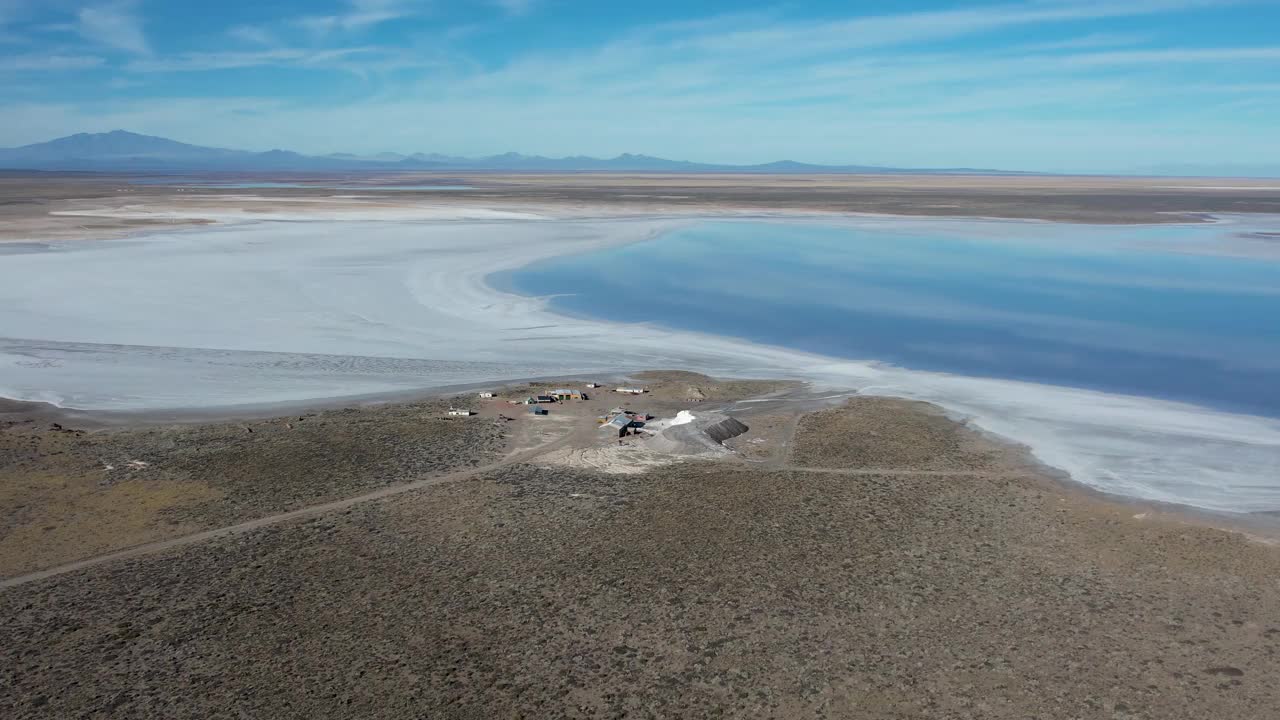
(623, 421)
(559, 395)
(536, 402)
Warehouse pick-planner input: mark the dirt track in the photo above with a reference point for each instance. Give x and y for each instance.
(262, 522)
(67, 494)
(708, 589)
(527, 456)
(72, 499)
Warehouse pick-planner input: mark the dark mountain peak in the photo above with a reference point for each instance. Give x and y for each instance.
(109, 135)
(786, 165)
(122, 150)
(642, 157)
(100, 148)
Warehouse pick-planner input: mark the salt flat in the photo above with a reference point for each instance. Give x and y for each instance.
(377, 302)
(266, 310)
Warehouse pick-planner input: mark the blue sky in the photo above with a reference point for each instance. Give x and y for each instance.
(1059, 85)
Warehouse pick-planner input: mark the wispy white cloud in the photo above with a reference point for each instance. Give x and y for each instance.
(361, 14)
(1084, 42)
(516, 7)
(281, 57)
(895, 88)
(49, 62)
(1177, 55)
(762, 60)
(253, 34)
(124, 83)
(114, 25)
(897, 29)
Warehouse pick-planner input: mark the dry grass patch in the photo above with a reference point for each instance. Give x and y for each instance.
(877, 432)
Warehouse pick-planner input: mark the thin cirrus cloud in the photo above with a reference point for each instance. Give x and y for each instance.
(516, 7)
(737, 61)
(49, 62)
(252, 35)
(115, 25)
(359, 15)
(1024, 84)
(894, 29)
(281, 57)
(362, 14)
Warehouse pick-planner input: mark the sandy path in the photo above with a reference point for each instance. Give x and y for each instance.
(516, 457)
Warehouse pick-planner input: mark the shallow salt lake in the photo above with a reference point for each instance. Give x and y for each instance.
(1115, 309)
(1068, 339)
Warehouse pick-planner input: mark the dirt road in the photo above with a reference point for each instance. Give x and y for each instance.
(516, 457)
(572, 426)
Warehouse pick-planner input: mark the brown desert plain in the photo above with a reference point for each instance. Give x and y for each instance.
(845, 557)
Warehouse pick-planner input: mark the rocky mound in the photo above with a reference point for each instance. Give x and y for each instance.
(699, 434)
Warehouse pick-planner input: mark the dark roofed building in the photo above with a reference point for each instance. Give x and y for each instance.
(621, 423)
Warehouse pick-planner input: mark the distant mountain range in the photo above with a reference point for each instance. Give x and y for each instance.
(121, 151)
(1223, 170)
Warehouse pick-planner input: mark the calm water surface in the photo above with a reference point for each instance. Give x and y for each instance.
(1078, 306)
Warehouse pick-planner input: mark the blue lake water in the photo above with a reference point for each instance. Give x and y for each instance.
(1112, 309)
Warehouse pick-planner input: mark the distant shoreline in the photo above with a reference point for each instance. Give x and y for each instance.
(465, 310)
(42, 206)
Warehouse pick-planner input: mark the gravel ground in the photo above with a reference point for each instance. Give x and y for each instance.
(697, 590)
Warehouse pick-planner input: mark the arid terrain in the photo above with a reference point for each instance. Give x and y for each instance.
(859, 558)
(95, 205)
(68, 494)
(846, 556)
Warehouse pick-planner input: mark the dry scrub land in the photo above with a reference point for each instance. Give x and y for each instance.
(877, 432)
(706, 589)
(68, 494)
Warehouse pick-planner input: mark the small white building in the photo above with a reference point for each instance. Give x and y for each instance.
(631, 390)
(461, 412)
(593, 385)
(486, 395)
